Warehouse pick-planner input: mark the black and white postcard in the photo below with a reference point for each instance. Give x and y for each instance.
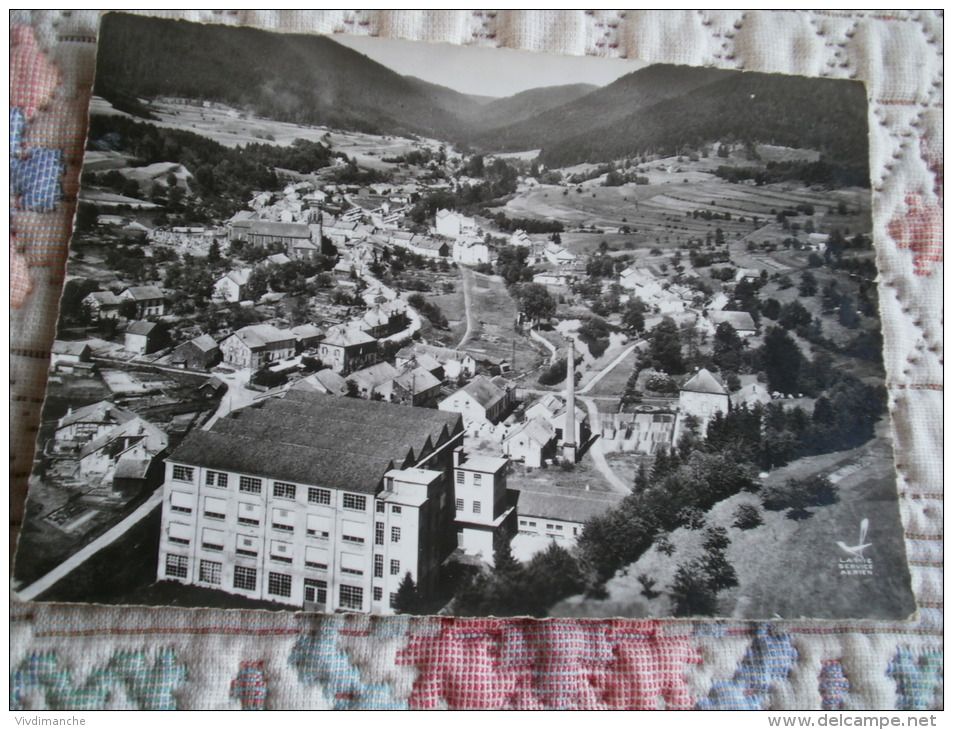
(358, 325)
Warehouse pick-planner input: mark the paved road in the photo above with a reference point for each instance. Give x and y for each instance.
(80, 557)
(237, 396)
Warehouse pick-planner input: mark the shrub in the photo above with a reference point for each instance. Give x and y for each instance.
(799, 494)
(660, 383)
(648, 586)
(747, 517)
(555, 373)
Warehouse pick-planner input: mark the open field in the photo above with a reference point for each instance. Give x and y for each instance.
(495, 335)
(452, 306)
(661, 212)
(231, 127)
(584, 476)
(613, 382)
(818, 585)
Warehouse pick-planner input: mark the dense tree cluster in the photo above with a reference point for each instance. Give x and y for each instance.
(429, 310)
(535, 301)
(513, 588)
(222, 178)
(665, 348)
(771, 435)
(530, 225)
(678, 486)
(809, 173)
(512, 263)
(798, 495)
(697, 583)
(594, 332)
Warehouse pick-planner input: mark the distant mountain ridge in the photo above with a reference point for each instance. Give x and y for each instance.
(656, 109)
(529, 104)
(745, 107)
(279, 76)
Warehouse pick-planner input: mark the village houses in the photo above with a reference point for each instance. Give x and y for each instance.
(480, 401)
(149, 300)
(346, 349)
(199, 353)
(103, 304)
(471, 252)
(144, 338)
(232, 286)
(455, 363)
(79, 426)
(453, 225)
(257, 345)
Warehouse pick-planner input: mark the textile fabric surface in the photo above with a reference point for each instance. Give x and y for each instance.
(81, 657)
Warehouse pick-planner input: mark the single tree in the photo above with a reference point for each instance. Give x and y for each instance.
(407, 599)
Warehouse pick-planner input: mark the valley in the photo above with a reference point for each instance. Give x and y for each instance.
(645, 313)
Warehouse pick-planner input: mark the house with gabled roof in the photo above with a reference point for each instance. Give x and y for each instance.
(231, 287)
(278, 259)
(430, 248)
(150, 300)
(99, 456)
(384, 319)
(199, 353)
(345, 349)
(308, 335)
(520, 238)
(143, 338)
(103, 304)
(751, 393)
(531, 442)
(67, 356)
(557, 255)
(257, 345)
(456, 363)
(552, 409)
(415, 386)
(420, 360)
(81, 425)
(480, 402)
(471, 252)
(701, 396)
(263, 233)
(548, 512)
(324, 381)
(375, 381)
(452, 224)
(742, 322)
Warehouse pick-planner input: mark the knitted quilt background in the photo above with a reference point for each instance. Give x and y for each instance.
(82, 657)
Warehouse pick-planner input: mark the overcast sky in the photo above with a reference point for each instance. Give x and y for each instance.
(487, 71)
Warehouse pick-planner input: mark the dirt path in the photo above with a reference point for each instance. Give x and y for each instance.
(74, 561)
(554, 353)
(467, 286)
(610, 367)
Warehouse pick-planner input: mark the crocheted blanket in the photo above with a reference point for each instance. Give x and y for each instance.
(73, 657)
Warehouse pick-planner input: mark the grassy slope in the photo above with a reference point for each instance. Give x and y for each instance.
(788, 568)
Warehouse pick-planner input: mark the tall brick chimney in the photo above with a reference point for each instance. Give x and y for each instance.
(569, 430)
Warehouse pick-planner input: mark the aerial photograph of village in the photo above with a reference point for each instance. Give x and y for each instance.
(381, 327)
